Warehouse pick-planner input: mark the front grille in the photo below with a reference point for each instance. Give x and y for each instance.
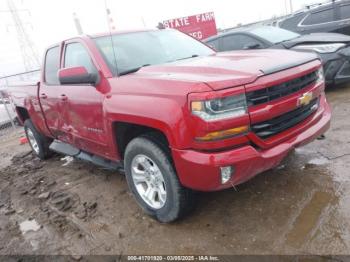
(274, 92)
(281, 123)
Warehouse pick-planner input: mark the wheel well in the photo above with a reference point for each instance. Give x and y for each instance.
(22, 114)
(125, 132)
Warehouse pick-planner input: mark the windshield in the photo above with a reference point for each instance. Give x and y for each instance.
(273, 34)
(134, 50)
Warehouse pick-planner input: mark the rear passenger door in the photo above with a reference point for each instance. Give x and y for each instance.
(50, 94)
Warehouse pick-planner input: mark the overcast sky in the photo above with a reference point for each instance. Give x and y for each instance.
(49, 21)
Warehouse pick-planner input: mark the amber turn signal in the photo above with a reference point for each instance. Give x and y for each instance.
(197, 106)
(224, 133)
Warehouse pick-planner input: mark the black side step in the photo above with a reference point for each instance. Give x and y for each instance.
(67, 149)
(64, 148)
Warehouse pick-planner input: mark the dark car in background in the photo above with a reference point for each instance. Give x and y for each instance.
(330, 17)
(332, 48)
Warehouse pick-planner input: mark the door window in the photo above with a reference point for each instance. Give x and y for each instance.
(344, 12)
(77, 55)
(321, 17)
(238, 42)
(52, 65)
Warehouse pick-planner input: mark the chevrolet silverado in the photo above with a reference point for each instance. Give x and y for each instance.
(171, 113)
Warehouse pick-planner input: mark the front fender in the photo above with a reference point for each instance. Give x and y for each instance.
(167, 114)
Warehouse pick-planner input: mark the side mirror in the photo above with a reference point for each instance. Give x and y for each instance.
(77, 75)
(252, 46)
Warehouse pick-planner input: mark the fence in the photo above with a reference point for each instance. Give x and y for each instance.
(8, 118)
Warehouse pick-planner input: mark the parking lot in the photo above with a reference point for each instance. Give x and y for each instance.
(62, 207)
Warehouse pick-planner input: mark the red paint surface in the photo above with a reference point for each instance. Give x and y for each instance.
(159, 97)
(200, 170)
(75, 71)
(198, 26)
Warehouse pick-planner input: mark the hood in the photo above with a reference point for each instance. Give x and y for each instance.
(227, 69)
(318, 38)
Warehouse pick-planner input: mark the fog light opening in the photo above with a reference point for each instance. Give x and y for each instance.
(226, 173)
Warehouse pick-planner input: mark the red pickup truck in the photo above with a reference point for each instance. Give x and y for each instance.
(174, 114)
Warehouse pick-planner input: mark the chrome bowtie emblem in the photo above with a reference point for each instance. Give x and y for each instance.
(305, 99)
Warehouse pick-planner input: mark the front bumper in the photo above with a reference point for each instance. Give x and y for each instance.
(337, 66)
(201, 170)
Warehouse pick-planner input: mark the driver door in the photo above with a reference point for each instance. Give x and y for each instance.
(84, 104)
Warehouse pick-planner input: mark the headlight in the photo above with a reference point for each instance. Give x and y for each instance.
(221, 108)
(320, 75)
(323, 48)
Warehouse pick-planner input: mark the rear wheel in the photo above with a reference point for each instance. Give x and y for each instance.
(38, 142)
(153, 181)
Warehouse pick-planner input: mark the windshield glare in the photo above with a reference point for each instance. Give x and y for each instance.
(133, 50)
(273, 34)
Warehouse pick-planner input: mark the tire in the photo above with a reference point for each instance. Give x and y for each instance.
(178, 199)
(38, 142)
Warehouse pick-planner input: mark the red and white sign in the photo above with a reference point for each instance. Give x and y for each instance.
(199, 26)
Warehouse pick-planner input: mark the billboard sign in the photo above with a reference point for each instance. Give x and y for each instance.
(199, 26)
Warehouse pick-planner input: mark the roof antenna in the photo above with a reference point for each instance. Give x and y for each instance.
(77, 24)
(110, 28)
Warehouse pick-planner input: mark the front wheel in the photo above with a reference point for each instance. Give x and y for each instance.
(152, 180)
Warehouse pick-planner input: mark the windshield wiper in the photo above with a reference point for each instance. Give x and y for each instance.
(187, 57)
(132, 70)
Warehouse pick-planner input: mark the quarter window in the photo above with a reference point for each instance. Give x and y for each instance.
(292, 22)
(52, 65)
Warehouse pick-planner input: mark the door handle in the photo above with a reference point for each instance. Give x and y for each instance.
(64, 97)
(43, 96)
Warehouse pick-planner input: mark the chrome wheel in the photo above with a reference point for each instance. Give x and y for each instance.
(32, 141)
(149, 181)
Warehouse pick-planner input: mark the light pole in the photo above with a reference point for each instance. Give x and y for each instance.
(291, 6)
